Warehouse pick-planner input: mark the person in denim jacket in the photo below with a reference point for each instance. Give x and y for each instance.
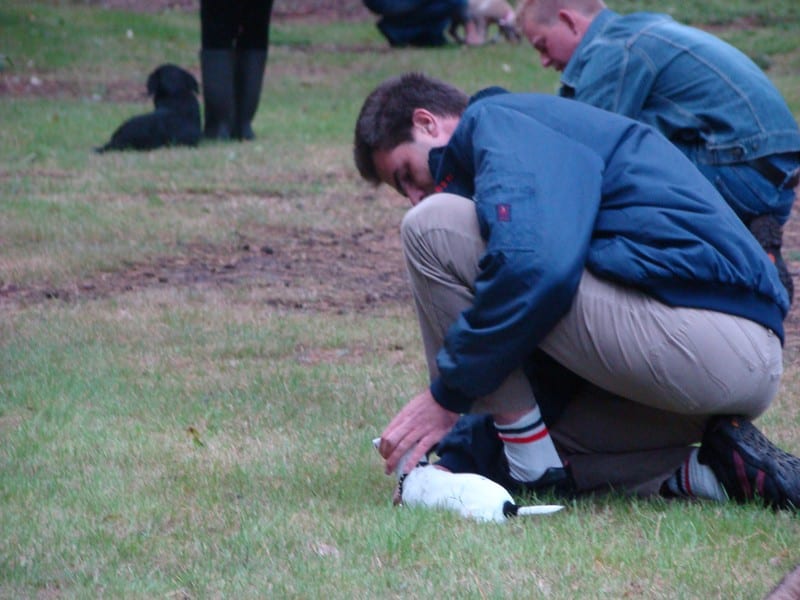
(708, 98)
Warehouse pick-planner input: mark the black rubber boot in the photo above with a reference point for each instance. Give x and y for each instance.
(250, 65)
(219, 105)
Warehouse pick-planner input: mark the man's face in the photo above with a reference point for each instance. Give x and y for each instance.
(405, 168)
(555, 42)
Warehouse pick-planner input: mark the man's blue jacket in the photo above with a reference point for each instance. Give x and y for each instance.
(700, 92)
(559, 187)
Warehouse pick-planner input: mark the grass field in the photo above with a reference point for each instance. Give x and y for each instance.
(197, 345)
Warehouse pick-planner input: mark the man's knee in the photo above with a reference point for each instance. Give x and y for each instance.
(438, 212)
(442, 233)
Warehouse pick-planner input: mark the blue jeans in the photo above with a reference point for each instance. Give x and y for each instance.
(415, 22)
(396, 8)
(749, 193)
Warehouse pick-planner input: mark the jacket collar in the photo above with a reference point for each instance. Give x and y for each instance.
(444, 172)
(575, 65)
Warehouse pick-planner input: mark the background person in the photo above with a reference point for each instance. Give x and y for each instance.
(235, 44)
(544, 224)
(416, 22)
(708, 98)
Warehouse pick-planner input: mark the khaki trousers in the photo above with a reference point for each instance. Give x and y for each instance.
(656, 372)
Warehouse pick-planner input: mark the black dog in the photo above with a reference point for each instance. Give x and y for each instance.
(175, 120)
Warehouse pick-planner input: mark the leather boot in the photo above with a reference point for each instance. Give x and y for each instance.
(250, 65)
(217, 69)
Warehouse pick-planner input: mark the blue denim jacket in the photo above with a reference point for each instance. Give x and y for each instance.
(650, 68)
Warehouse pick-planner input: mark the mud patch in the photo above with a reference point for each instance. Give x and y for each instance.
(297, 269)
(46, 86)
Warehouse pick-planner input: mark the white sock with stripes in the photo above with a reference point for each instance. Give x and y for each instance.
(528, 447)
(696, 480)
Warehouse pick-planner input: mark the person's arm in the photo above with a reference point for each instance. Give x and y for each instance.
(537, 193)
(413, 432)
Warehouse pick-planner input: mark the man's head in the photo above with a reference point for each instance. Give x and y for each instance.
(556, 27)
(399, 123)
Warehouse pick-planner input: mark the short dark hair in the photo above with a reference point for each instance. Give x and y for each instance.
(385, 120)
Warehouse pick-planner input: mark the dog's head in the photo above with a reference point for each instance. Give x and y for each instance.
(170, 81)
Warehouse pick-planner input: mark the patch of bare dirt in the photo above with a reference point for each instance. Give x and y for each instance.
(298, 269)
(46, 86)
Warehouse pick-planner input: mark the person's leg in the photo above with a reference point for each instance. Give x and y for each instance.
(608, 442)
(614, 443)
(218, 25)
(443, 245)
(681, 360)
(395, 8)
(413, 23)
(690, 362)
(217, 59)
(252, 50)
(769, 234)
(749, 192)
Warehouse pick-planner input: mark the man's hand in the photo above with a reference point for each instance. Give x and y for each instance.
(417, 427)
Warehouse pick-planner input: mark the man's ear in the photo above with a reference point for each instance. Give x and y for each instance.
(575, 21)
(424, 121)
(569, 19)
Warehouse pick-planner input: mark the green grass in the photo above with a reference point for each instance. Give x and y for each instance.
(164, 444)
(722, 12)
(198, 441)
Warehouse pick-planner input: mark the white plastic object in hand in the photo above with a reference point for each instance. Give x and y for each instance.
(470, 495)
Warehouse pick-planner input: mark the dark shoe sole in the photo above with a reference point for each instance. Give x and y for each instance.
(557, 481)
(748, 465)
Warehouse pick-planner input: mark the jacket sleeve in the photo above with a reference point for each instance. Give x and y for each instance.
(537, 194)
(617, 78)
